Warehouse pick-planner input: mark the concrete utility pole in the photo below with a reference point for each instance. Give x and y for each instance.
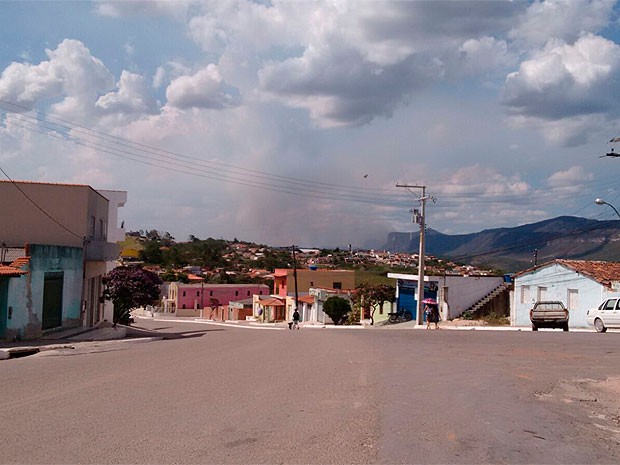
(421, 220)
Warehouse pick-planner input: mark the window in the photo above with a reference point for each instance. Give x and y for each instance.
(248, 293)
(91, 227)
(525, 294)
(610, 304)
(573, 299)
(183, 306)
(311, 283)
(260, 292)
(183, 295)
(210, 293)
(337, 285)
(541, 293)
(236, 293)
(197, 293)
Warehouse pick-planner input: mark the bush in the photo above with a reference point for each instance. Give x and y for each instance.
(493, 319)
(353, 317)
(337, 309)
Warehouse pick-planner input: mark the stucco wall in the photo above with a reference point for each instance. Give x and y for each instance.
(25, 294)
(558, 280)
(68, 204)
(306, 279)
(199, 295)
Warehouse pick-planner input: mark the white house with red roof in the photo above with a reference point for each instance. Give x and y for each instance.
(579, 284)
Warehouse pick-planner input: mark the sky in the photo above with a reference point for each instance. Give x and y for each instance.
(292, 122)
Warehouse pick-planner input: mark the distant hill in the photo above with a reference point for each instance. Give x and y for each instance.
(512, 249)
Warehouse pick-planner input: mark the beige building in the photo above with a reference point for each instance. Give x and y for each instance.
(66, 215)
(284, 280)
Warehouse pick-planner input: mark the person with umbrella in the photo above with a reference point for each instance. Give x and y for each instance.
(431, 311)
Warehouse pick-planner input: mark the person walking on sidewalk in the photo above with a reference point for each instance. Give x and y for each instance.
(427, 316)
(296, 319)
(435, 315)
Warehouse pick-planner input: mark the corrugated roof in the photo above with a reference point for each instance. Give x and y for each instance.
(307, 299)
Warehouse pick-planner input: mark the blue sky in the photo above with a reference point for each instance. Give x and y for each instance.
(292, 122)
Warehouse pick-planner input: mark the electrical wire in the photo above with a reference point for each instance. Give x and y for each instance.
(41, 209)
(77, 134)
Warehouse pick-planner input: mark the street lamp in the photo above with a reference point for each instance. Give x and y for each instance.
(602, 202)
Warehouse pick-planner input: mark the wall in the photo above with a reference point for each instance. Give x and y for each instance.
(284, 280)
(25, 294)
(458, 292)
(558, 280)
(68, 204)
(200, 295)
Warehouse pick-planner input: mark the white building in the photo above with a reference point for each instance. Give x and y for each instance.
(116, 234)
(579, 284)
(455, 294)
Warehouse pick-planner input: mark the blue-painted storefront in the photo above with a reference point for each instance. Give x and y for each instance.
(408, 295)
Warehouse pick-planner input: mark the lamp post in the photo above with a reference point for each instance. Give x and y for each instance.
(602, 202)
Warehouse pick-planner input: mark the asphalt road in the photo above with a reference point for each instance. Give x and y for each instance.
(233, 395)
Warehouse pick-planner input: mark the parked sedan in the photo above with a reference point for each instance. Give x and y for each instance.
(607, 315)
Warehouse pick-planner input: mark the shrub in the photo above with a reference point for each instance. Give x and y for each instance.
(337, 309)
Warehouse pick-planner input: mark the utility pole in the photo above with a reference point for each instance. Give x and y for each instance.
(295, 278)
(420, 218)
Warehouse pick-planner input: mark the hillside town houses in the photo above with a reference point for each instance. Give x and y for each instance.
(63, 238)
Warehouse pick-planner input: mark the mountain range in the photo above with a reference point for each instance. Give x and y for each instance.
(518, 248)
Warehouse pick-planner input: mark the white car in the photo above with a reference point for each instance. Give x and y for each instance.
(607, 315)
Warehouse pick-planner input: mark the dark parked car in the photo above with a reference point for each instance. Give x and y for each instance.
(549, 315)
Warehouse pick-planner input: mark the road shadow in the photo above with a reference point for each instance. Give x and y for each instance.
(137, 332)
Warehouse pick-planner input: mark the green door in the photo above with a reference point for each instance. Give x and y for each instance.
(52, 301)
(4, 290)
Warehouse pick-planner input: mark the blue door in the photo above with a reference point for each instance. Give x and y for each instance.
(407, 299)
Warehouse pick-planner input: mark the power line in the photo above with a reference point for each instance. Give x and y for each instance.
(117, 146)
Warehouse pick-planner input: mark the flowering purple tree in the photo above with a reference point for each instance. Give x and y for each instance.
(130, 287)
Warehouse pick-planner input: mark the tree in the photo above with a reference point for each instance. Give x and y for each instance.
(337, 309)
(129, 287)
(372, 296)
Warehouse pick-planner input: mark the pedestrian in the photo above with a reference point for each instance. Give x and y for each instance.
(435, 315)
(296, 319)
(427, 316)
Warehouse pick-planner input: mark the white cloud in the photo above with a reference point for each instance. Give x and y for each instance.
(565, 86)
(204, 89)
(569, 181)
(562, 20)
(132, 96)
(160, 77)
(175, 8)
(71, 74)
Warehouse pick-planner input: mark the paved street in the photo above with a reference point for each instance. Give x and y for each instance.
(221, 394)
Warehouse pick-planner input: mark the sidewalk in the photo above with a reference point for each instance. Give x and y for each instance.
(70, 338)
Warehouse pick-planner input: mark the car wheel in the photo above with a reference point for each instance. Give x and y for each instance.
(599, 326)
(534, 327)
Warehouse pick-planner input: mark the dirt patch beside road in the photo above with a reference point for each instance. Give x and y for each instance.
(595, 402)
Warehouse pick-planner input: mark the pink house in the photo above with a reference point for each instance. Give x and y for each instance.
(197, 296)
